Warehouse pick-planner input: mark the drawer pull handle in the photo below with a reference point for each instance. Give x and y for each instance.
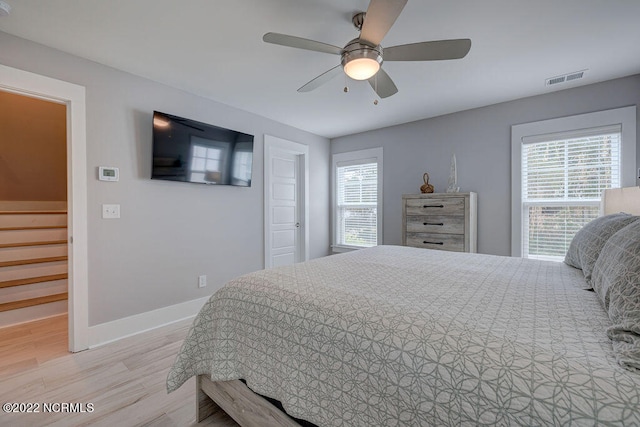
(433, 243)
(433, 206)
(433, 223)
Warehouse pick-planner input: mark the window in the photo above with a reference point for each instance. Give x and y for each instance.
(559, 176)
(357, 199)
(562, 180)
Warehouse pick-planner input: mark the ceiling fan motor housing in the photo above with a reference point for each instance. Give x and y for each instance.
(355, 49)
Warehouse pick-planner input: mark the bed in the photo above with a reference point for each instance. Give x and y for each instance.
(403, 336)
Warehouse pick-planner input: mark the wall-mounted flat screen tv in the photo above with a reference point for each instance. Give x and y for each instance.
(191, 151)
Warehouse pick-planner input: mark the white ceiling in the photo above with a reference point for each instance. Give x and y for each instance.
(215, 49)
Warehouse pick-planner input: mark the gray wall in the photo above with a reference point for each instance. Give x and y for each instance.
(481, 140)
(170, 232)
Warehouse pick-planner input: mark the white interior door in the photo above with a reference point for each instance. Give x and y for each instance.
(285, 216)
(285, 202)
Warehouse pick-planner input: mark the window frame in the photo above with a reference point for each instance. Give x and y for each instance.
(625, 117)
(370, 155)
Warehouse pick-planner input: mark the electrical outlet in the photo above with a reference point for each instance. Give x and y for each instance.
(202, 281)
(110, 211)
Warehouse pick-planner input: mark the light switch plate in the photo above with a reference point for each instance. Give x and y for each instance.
(110, 211)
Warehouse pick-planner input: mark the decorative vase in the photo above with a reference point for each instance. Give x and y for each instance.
(452, 183)
(426, 187)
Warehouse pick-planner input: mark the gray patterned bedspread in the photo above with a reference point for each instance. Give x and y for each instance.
(402, 336)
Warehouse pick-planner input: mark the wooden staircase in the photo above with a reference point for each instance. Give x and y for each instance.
(33, 260)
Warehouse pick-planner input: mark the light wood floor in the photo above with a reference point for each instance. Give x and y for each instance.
(125, 380)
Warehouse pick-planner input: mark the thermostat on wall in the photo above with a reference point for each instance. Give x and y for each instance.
(106, 173)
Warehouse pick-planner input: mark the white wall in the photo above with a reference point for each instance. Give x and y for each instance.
(481, 140)
(170, 232)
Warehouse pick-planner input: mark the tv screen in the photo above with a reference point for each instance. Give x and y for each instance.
(190, 151)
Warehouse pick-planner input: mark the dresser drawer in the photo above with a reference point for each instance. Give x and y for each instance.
(445, 242)
(434, 206)
(435, 224)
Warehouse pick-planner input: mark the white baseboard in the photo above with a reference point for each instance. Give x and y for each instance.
(105, 333)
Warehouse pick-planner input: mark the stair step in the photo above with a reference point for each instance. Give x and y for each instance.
(43, 212)
(13, 305)
(30, 280)
(33, 206)
(10, 220)
(27, 252)
(35, 227)
(32, 261)
(41, 243)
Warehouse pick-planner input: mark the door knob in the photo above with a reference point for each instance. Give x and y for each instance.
(297, 225)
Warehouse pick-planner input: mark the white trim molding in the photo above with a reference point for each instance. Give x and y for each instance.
(73, 96)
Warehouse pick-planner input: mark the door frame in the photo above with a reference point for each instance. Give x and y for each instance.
(73, 96)
(272, 143)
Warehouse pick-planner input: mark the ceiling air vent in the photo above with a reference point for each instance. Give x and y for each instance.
(565, 78)
(556, 80)
(575, 76)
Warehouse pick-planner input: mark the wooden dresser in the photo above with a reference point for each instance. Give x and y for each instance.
(444, 221)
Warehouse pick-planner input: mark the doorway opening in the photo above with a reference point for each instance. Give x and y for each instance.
(72, 99)
(33, 209)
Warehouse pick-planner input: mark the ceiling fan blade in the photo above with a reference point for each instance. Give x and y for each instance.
(321, 79)
(428, 51)
(379, 19)
(384, 86)
(300, 43)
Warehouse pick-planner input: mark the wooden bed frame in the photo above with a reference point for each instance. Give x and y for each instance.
(251, 410)
(236, 399)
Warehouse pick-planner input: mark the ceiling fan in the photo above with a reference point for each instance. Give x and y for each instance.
(362, 57)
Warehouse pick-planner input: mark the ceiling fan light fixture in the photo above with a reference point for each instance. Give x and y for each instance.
(361, 68)
(360, 61)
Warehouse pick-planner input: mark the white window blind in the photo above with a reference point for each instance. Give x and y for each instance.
(563, 176)
(357, 203)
